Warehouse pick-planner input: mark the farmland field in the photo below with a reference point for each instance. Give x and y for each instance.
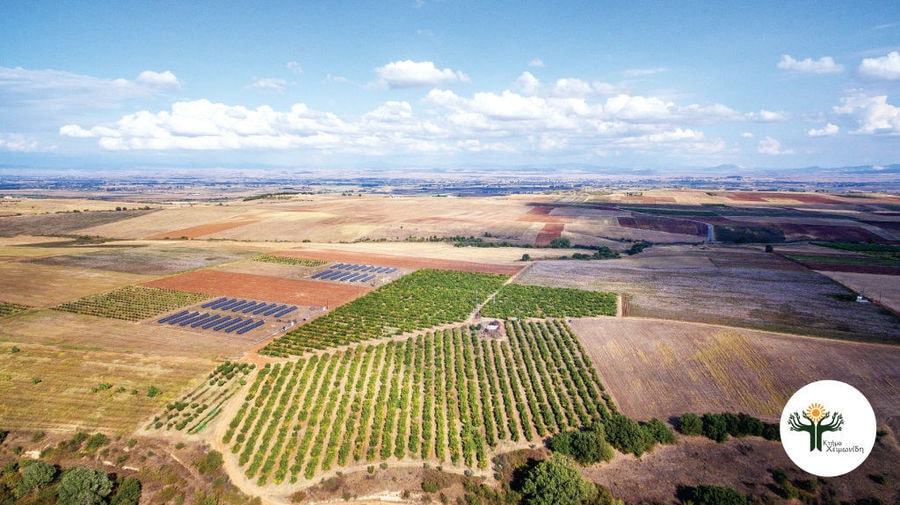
(447, 396)
(75, 331)
(742, 287)
(420, 300)
(663, 368)
(131, 303)
(523, 301)
(261, 287)
(44, 286)
(69, 384)
(148, 260)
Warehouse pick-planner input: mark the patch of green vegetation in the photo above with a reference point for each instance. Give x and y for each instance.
(842, 260)
(286, 260)
(719, 426)
(264, 196)
(132, 303)
(422, 299)
(9, 309)
(518, 300)
(883, 251)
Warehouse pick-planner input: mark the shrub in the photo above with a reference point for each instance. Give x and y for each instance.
(659, 432)
(209, 462)
(706, 494)
(715, 427)
(690, 424)
(129, 492)
(555, 482)
(627, 436)
(36, 475)
(83, 486)
(586, 446)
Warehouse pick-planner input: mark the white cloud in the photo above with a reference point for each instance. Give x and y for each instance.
(638, 107)
(872, 113)
(642, 72)
(528, 83)
(18, 143)
(747, 135)
(336, 78)
(294, 67)
(536, 63)
(824, 65)
(830, 130)
(412, 74)
(884, 67)
(159, 79)
(571, 88)
(771, 147)
(766, 116)
(269, 84)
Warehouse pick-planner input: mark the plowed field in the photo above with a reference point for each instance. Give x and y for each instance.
(261, 287)
(402, 261)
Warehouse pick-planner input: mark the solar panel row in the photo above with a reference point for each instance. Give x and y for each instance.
(344, 272)
(230, 323)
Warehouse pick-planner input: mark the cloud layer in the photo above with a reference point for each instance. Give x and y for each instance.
(824, 65)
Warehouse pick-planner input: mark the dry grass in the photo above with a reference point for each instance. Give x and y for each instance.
(47, 388)
(153, 260)
(74, 331)
(44, 286)
(662, 368)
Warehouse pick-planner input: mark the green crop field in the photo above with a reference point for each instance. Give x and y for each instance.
(420, 300)
(132, 303)
(517, 300)
(447, 396)
(285, 260)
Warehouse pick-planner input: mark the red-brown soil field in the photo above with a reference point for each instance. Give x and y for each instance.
(202, 230)
(549, 232)
(261, 287)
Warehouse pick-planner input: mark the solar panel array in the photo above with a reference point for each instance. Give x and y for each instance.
(351, 272)
(239, 321)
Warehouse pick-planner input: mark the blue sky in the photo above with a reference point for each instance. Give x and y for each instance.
(449, 84)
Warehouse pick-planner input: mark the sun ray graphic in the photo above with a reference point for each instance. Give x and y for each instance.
(815, 412)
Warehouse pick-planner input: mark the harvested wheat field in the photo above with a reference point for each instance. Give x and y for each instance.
(261, 287)
(77, 331)
(664, 368)
(883, 289)
(44, 285)
(89, 390)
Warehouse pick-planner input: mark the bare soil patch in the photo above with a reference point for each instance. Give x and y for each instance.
(401, 261)
(261, 287)
(732, 286)
(549, 232)
(202, 230)
(44, 285)
(145, 260)
(661, 369)
(62, 224)
(679, 226)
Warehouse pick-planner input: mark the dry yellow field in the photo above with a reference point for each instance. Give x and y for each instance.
(62, 380)
(45, 286)
(77, 331)
(664, 368)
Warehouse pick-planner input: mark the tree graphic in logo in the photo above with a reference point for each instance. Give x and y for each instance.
(816, 414)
